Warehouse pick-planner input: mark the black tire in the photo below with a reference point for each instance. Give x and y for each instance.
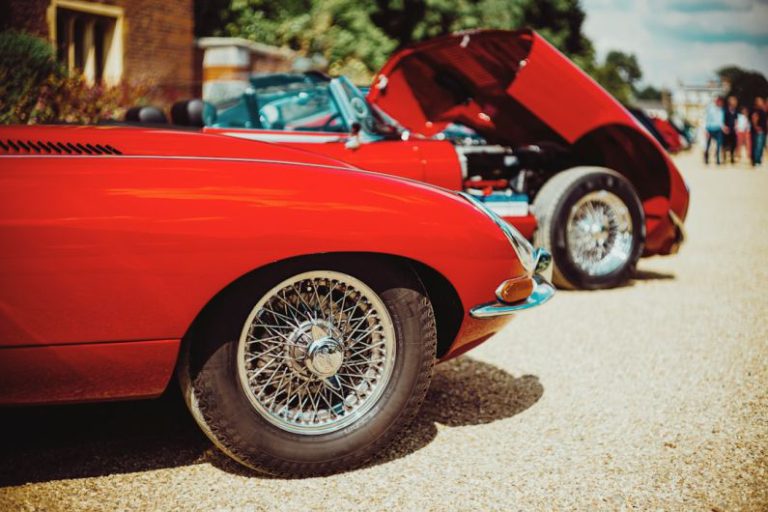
(552, 208)
(208, 374)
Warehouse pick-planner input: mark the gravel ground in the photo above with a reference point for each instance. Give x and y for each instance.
(652, 396)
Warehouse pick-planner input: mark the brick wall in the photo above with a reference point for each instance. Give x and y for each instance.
(160, 44)
(24, 15)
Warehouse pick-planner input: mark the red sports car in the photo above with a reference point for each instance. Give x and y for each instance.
(534, 138)
(301, 302)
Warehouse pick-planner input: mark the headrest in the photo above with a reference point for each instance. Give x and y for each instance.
(149, 114)
(193, 112)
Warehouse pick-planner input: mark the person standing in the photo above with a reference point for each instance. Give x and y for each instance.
(742, 133)
(759, 120)
(714, 124)
(730, 113)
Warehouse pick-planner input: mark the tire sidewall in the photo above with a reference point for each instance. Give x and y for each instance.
(593, 182)
(224, 397)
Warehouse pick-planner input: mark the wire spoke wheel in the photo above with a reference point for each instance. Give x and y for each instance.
(316, 352)
(599, 232)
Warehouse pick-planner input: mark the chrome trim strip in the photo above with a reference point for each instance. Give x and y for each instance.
(279, 137)
(541, 294)
(177, 157)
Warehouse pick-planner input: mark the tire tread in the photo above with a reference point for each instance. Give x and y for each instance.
(226, 437)
(545, 206)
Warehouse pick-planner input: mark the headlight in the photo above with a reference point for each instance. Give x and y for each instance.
(522, 247)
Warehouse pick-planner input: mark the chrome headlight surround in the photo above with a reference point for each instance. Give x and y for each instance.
(522, 247)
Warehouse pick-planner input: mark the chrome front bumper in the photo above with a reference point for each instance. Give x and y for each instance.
(542, 291)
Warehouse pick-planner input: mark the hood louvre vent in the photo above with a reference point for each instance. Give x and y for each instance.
(55, 148)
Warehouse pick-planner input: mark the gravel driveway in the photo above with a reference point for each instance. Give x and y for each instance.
(652, 396)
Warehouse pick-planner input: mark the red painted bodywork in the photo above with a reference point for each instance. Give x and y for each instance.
(107, 259)
(671, 136)
(431, 161)
(515, 88)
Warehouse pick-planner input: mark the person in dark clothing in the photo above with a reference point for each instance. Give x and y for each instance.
(759, 120)
(730, 114)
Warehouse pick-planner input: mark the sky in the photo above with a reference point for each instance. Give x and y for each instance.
(681, 40)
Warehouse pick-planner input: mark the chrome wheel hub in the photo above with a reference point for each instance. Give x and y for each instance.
(324, 357)
(599, 232)
(316, 352)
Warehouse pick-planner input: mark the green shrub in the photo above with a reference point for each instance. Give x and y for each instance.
(35, 89)
(27, 64)
(71, 100)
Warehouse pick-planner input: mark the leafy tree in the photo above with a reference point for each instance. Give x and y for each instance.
(34, 88)
(407, 21)
(619, 74)
(26, 63)
(342, 31)
(649, 92)
(357, 36)
(744, 84)
(560, 22)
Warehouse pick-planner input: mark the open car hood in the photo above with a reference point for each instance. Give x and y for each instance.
(511, 87)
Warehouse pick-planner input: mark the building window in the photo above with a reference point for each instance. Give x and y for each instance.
(88, 38)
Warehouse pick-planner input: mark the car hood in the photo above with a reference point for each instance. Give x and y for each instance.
(512, 87)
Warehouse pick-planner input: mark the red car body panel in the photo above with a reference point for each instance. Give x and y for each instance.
(107, 259)
(515, 88)
(431, 161)
(86, 372)
(671, 136)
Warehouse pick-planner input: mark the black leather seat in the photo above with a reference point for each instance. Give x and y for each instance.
(146, 115)
(193, 112)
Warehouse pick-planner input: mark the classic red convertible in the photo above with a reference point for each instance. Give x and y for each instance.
(301, 302)
(534, 138)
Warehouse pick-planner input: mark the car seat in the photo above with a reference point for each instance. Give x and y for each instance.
(194, 112)
(146, 115)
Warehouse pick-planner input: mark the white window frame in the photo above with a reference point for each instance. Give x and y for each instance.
(113, 51)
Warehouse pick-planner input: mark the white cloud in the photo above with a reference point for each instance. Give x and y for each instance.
(683, 40)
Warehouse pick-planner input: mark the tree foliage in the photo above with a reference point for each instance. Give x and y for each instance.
(744, 84)
(619, 75)
(34, 88)
(357, 36)
(649, 92)
(26, 63)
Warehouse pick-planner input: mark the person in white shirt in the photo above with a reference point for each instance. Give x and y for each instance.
(742, 133)
(714, 121)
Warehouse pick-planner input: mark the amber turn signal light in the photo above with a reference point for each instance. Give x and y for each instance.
(515, 290)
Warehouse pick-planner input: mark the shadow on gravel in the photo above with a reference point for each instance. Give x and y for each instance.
(463, 392)
(649, 275)
(77, 441)
(639, 276)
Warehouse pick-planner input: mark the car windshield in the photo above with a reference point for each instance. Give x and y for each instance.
(371, 119)
(303, 102)
(297, 106)
(307, 108)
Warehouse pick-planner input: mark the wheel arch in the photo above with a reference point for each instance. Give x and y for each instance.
(449, 311)
(629, 152)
